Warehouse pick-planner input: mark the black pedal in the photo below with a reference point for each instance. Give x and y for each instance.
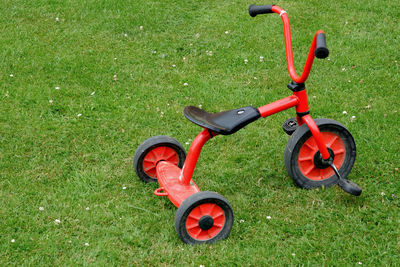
(290, 125)
(347, 185)
(350, 187)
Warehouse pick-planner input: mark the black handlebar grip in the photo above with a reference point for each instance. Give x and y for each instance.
(321, 51)
(255, 10)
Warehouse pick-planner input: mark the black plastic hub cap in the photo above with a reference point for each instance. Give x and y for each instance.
(206, 222)
(323, 163)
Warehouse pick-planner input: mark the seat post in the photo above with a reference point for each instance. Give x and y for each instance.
(193, 155)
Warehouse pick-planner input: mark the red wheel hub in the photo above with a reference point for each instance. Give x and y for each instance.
(310, 148)
(154, 156)
(205, 221)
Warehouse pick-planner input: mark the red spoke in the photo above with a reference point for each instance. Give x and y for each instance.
(340, 151)
(209, 209)
(201, 208)
(169, 156)
(193, 217)
(213, 210)
(218, 225)
(309, 170)
(321, 173)
(155, 156)
(208, 233)
(198, 233)
(333, 139)
(196, 212)
(215, 230)
(149, 160)
(192, 226)
(309, 146)
(149, 168)
(217, 215)
(306, 158)
(162, 154)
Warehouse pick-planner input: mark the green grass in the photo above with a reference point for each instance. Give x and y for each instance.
(52, 158)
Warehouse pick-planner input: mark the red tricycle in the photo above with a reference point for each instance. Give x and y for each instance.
(319, 152)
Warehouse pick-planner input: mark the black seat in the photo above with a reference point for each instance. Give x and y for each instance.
(226, 122)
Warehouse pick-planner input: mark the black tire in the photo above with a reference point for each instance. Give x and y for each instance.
(210, 224)
(330, 129)
(155, 144)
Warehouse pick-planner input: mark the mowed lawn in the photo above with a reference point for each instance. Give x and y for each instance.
(83, 83)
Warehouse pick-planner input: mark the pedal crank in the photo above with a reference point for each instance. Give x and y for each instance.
(347, 185)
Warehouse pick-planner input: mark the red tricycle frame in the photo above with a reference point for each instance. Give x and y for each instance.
(179, 189)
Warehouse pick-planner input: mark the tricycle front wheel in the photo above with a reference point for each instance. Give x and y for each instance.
(303, 160)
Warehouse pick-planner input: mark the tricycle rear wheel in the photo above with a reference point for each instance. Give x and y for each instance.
(204, 217)
(156, 149)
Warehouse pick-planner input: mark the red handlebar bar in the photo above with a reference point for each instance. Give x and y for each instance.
(289, 50)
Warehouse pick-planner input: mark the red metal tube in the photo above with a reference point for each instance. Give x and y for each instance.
(289, 51)
(279, 105)
(317, 136)
(302, 105)
(193, 156)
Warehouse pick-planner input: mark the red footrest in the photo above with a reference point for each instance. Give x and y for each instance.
(168, 178)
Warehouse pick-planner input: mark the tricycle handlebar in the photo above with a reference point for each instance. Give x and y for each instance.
(255, 10)
(321, 51)
(318, 46)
